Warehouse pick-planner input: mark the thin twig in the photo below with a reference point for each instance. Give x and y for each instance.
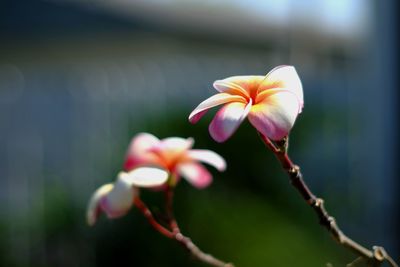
(376, 256)
(355, 262)
(186, 241)
(169, 207)
(150, 218)
(175, 232)
(200, 255)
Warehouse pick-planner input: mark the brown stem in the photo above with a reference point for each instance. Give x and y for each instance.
(200, 255)
(375, 257)
(169, 200)
(176, 234)
(186, 242)
(150, 218)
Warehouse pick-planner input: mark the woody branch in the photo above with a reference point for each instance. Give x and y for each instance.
(375, 256)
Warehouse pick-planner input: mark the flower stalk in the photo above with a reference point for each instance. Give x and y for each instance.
(150, 218)
(174, 231)
(158, 164)
(374, 257)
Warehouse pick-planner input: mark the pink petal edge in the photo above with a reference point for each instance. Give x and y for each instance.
(211, 102)
(227, 120)
(195, 174)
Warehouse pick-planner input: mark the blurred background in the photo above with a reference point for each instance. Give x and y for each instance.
(79, 78)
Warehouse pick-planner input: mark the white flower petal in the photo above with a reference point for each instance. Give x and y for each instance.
(209, 157)
(119, 200)
(289, 80)
(93, 207)
(144, 177)
(176, 143)
(141, 143)
(211, 102)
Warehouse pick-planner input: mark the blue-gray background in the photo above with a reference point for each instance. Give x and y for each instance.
(79, 78)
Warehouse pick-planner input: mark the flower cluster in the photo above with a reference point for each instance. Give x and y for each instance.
(271, 103)
(153, 163)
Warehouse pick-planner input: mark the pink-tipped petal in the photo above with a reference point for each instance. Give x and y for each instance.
(211, 102)
(116, 199)
(195, 118)
(195, 174)
(176, 143)
(146, 159)
(93, 210)
(144, 177)
(284, 77)
(119, 200)
(242, 85)
(137, 153)
(227, 120)
(209, 157)
(170, 150)
(275, 115)
(141, 143)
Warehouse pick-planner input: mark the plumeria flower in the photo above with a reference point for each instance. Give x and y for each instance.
(116, 199)
(271, 103)
(175, 155)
